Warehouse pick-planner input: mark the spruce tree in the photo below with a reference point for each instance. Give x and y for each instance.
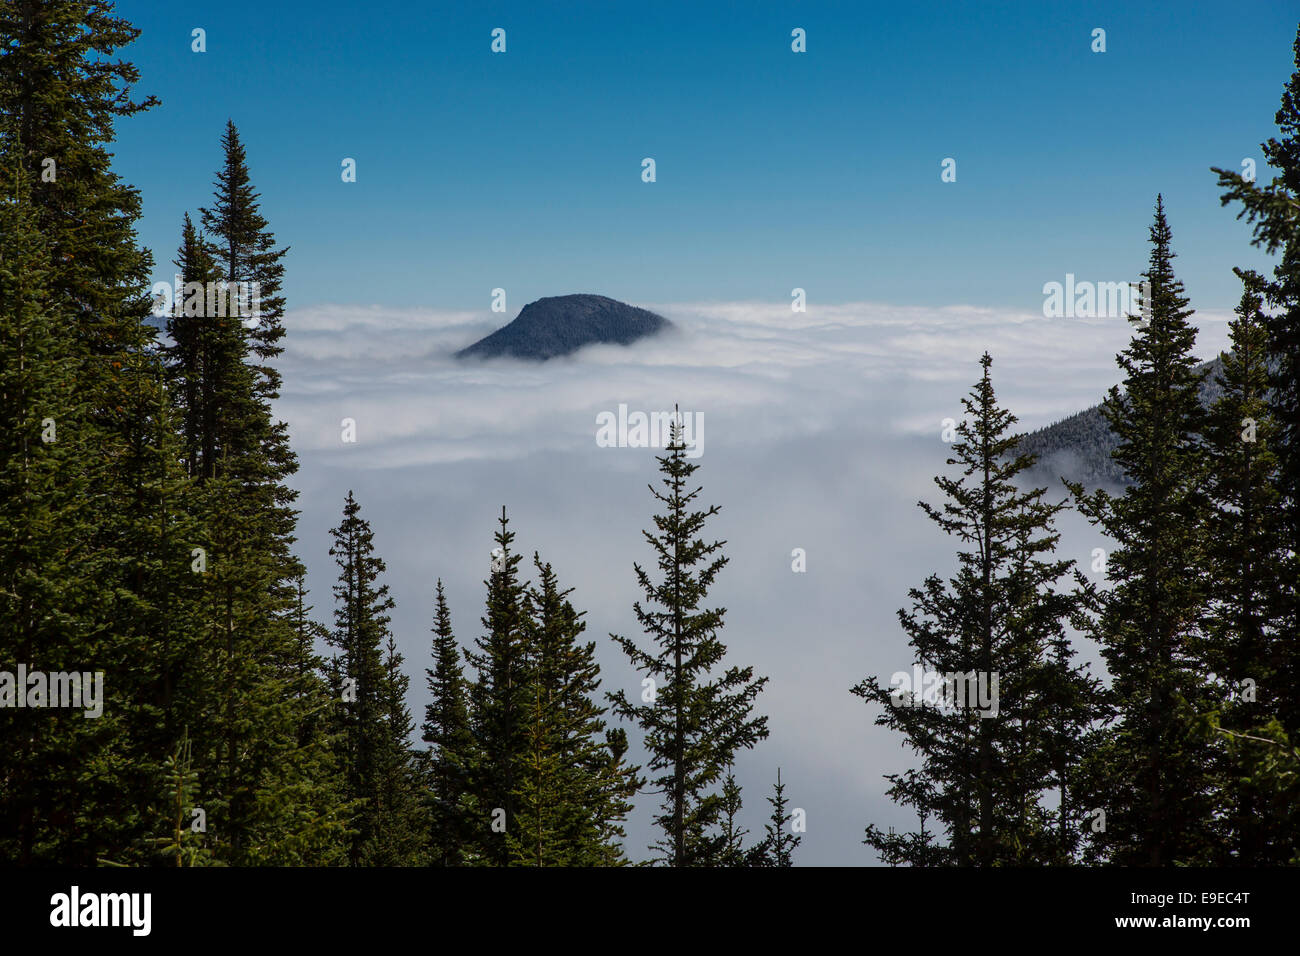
(63, 84)
(701, 714)
(44, 567)
(999, 619)
(401, 833)
(1073, 707)
(446, 730)
(779, 840)
(244, 248)
(734, 852)
(305, 798)
(575, 789)
(1242, 645)
(500, 705)
(1270, 208)
(374, 725)
(184, 845)
(1152, 775)
(259, 748)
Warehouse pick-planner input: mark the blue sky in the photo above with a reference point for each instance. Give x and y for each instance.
(775, 170)
(819, 170)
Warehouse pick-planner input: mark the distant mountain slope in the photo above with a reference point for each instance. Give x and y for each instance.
(558, 325)
(1079, 447)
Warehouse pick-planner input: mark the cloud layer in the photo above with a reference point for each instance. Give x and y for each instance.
(822, 430)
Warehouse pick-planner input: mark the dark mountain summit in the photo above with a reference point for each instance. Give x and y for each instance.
(558, 325)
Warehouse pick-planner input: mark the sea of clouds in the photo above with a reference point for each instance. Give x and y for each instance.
(822, 429)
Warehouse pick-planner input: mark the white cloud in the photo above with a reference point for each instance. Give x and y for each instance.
(822, 430)
(778, 372)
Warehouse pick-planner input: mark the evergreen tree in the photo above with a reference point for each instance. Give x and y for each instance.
(1270, 207)
(990, 640)
(1151, 774)
(446, 730)
(157, 528)
(1073, 705)
(734, 852)
(260, 745)
(779, 840)
(374, 725)
(401, 835)
(576, 788)
(77, 794)
(244, 248)
(1269, 767)
(541, 810)
(207, 359)
(305, 797)
(1242, 646)
(699, 719)
(500, 705)
(44, 569)
(184, 846)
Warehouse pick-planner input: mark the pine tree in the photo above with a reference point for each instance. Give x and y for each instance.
(575, 788)
(374, 725)
(260, 745)
(184, 846)
(44, 569)
(305, 796)
(157, 528)
(244, 248)
(446, 730)
(699, 719)
(989, 640)
(401, 834)
(500, 706)
(1271, 208)
(542, 787)
(207, 357)
(1151, 773)
(779, 840)
(61, 89)
(1073, 705)
(1242, 646)
(734, 852)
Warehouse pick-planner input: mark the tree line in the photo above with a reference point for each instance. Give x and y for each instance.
(149, 532)
(1189, 754)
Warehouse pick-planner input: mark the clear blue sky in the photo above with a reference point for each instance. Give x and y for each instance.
(775, 169)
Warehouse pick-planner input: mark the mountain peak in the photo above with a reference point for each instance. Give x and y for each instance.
(561, 324)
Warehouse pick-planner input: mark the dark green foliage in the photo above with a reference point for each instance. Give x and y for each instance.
(1273, 210)
(243, 247)
(46, 574)
(260, 742)
(988, 760)
(779, 840)
(373, 723)
(574, 789)
(400, 835)
(446, 730)
(184, 846)
(1151, 775)
(1241, 640)
(734, 852)
(698, 720)
(73, 790)
(500, 705)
